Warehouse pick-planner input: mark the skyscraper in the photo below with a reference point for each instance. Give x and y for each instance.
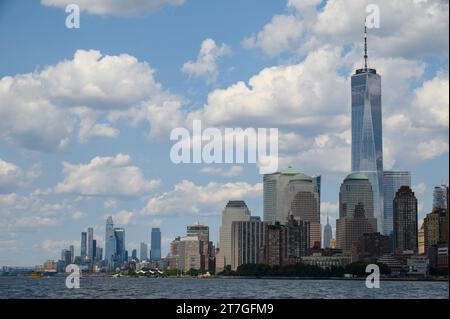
(72, 253)
(90, 244)
(247, 239)
(367, 137)
(274, 187)
(235, 210)
(291, 192)
(143, 251)
(435, 226)
(110, 242)
(300, 198)
(83, 245)
(405, 234)
(202, 233)
(355, 211)
(94, 250)
(440, 194)
(119, 234)
(327, 234)
(392, 181)
(155, 250)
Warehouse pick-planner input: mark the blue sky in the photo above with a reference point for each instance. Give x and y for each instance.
(72, 138)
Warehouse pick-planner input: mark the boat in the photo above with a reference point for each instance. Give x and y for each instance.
(35, 275)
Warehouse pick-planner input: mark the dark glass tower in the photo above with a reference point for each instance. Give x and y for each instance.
(367, 137)
(155, 250)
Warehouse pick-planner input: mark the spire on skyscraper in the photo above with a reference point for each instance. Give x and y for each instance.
(365, 46)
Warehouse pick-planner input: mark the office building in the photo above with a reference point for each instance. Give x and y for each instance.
(143, 251)
(235, 210)
(435, 228)
(392, 181)
(327, 234)
(119, 234)
(355, 211)
(155, 250)
(440, 197)
(367, 137)
(83, 245)
(276, 209)
(405, 234)
(90, 243)
(202, 233)
(110, 242)
(188, 251)
(300, 199)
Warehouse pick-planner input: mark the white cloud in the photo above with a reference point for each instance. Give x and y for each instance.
(115, 7)
(206, 63)
(13, 177)
(75, 93)
(123, 218)
(280, 35)
(431, 103)
(405, 27)
(296, 94)
(233, 171)
(105, 176)
(189, 198)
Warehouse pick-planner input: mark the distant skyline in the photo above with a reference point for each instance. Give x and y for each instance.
(86, 113)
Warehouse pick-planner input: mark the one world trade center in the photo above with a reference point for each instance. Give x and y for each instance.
(367, 137)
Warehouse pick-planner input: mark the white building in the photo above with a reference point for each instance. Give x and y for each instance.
(233, 211)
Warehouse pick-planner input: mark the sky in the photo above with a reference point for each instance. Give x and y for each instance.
(86, 113)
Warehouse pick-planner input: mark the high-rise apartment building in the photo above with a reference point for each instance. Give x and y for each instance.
(247, 239)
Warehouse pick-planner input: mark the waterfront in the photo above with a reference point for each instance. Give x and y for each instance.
(191, 288)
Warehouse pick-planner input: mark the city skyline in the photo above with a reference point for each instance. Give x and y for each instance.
(107, 154)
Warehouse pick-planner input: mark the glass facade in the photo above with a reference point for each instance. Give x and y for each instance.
(367, 145)
(155, 250)
(392, 181)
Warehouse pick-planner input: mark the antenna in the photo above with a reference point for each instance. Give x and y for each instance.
(365, 46)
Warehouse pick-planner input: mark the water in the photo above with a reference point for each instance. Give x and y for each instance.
(187, 288)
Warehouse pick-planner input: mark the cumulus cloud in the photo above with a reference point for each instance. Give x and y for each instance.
(105, 176)
(404, 28)
(189, 198)
(75, 93)
(115, 7)
(206, 64)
